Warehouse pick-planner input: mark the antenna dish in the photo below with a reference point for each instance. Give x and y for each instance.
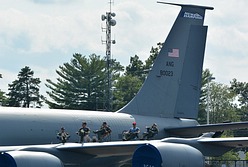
(113, 14)
(103, 17)
(112, 22)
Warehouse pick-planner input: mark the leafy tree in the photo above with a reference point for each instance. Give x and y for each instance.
(135, 68)
(241, 90)
(222, 105)
(126, 88)
(127, 85)
(246, 156)
(202, 116)
(153, 55)
(138, 68)
(230, 155)
(221, 101)
(25, 90)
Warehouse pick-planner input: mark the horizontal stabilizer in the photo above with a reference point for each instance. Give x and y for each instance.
(211, 146)
(232, 142)
(194, 131)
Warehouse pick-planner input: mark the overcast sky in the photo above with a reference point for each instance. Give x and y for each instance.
(44, 34)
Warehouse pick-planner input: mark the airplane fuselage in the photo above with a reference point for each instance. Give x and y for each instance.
(36, 126)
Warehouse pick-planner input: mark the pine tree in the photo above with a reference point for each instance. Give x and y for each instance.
(80, 84)
(25, 90)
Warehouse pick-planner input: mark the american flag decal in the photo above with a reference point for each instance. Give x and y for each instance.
(173, 53)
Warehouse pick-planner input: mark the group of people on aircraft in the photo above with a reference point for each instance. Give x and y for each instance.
(133, 133)
(104, 133)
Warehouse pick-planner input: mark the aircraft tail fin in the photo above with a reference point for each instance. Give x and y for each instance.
(173, 85)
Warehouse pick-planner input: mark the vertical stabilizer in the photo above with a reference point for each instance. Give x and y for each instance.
(172, 88)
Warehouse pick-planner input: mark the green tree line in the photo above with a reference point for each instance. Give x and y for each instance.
(81, 84)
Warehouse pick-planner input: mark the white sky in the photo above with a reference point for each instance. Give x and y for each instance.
(44, 34)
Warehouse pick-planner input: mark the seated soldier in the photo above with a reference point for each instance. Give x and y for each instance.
(62, 135)
(104, 132)
(132, 134)
(151, 132)
(84, 132)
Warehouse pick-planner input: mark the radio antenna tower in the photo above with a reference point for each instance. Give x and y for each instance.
(108, 41)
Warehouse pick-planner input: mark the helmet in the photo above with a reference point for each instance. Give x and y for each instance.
(134, 123)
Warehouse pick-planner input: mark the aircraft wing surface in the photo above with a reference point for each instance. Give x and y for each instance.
(128, 148)
(94, 149)
(103, 149)
(116, 154)
(194, 131)
(106, 154)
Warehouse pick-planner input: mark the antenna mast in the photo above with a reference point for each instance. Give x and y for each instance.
(109, 22)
